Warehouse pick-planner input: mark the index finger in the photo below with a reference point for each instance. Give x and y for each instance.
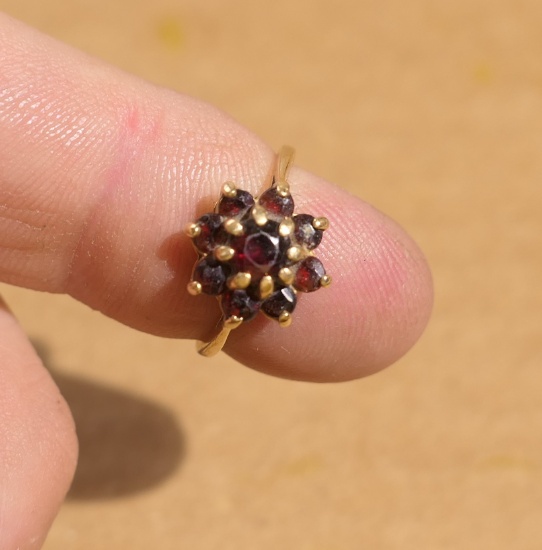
(100, 172)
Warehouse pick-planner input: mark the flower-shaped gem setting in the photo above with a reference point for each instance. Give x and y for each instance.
(255, 255)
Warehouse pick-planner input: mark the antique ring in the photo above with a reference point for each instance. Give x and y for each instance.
(255, 255)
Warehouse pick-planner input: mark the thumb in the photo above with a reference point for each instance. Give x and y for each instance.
(38, 446)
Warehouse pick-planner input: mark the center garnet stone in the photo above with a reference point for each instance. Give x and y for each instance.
(261, 250)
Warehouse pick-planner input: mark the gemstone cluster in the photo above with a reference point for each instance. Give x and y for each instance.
(255, 255)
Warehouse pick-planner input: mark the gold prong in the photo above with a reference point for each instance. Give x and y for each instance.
(283, 189)
(229, 190)
(285, 319)
(194, 288)
(286, 275)
(294, 253)
(224, 253)
(259, 215)
(239, 281)
(267, 287)
(320, 223)
(193, 230)
(233, 227)
(325, 280)
(232, 322)
(286, 227)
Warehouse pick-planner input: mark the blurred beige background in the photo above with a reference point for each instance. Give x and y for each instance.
(431, 111)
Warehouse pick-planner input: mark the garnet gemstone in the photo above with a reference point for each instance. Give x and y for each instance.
(274, 203)
(281, 300)
(308, 274)
(212, 275)
(239, 304)
(260, 249)
(304, 232)
(212, 233)
(238, 206)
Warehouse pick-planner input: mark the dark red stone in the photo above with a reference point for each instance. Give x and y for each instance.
(308, 274)
(275, 204)
(238, 303)
(304, 232)
(238, 206)
(260, 250)
(281, 300)
(212, 275)
(212, 233)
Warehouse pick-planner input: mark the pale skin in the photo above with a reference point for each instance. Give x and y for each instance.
(99, 174)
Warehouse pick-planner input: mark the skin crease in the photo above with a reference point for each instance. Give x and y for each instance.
(99, 174)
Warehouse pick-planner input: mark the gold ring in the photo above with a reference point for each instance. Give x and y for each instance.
(255, 255)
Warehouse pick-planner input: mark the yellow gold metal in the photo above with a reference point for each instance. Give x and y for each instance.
(233, 322)
(320, 223)
(283, 190)
(194, 288)
(267, 287)
(233, 227)
(239, 281)
(294, 253)
(325, 280)
(259, 215)
(285, 319)
(285, 159)
(229, 190)
(286, 227)
(193, 230)
(217, 343)
(286, 275)
(224, 253)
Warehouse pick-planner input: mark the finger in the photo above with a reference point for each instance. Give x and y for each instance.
(38, 447)
(100, 173)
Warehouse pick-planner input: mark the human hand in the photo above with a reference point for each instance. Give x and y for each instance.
(99, 173)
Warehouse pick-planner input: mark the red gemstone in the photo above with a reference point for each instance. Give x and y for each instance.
(237, 206)
(260, 249)
(274, 203)
(212, 233)
(308, 274)
(304, 233)
(212, 275)
(238, 303)
(281, 300)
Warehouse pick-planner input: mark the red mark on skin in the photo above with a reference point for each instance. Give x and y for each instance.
(137, 135)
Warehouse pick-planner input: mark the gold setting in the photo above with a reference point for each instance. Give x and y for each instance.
(259, 215)
(294, 253)
(239, 281)
(267, 287)
(325, 281)
(193, 230)
(286, 228)
(224, 253)
(320, 223)
(229, 190)
(286, 275)
(233, 227)
(285, 319)
(194, 288)
(297, 252)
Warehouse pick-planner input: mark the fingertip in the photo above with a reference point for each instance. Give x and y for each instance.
(375, 310)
